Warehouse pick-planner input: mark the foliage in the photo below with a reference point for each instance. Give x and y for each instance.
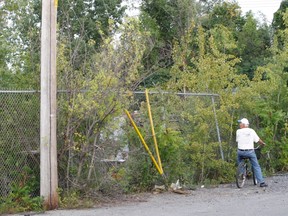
(271, 86)
(19, 146)
(252, 37)
(253, 43)
(21, 200)
(207, 166)
(141, 174)
(167, 21)
(79, 22)
(95, 106)
(224, 13)
(72, 200)
(278, 21)
(89, 21)
(181, 131)
(202, 47)
(83, 28)
(20, 35)
(171, 17)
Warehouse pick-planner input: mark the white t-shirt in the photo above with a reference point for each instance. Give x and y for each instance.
(246, 137)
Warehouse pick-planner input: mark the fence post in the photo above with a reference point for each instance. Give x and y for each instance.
(217, 128)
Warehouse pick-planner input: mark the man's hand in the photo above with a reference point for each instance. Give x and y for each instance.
(262, 143)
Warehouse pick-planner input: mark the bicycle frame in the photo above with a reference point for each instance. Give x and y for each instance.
(245, 171)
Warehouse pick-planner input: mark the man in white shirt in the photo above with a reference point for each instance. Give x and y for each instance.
(246, 137)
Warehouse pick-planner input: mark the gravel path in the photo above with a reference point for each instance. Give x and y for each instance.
(224, 200)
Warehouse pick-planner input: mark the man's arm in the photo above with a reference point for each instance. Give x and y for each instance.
(261, 142)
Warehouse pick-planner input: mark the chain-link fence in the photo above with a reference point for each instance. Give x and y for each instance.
(19, 140)
(94, 157)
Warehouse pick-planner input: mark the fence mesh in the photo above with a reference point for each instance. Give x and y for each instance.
(87, 157)
(19, 140)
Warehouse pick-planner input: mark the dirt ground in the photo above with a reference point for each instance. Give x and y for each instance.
(223, 200)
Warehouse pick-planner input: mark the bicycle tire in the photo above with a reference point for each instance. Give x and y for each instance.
(254, 177)
(241, 174)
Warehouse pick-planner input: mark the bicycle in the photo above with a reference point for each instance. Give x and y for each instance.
(245, 170)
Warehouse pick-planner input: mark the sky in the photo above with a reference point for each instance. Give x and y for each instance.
(267, 7)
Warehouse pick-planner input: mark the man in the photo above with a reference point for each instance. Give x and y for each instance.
(246, 137)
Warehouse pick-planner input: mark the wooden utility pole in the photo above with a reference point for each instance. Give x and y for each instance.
(48, 141)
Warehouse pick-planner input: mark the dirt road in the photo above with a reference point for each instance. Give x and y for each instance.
(225, 200)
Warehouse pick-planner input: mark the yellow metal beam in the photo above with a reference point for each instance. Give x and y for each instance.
(144, 143)
(152, 130)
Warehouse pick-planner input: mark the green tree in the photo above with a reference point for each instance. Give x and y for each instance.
(3, 49)
(21, 32)
(264, 100)
(79, 23)
(86, 23)
(89, 20)
(89, 117)
(278, 22)
(212, 71)
(167, 21)
(254, 41)
(223, 13)
(272, 108)
(253, 38)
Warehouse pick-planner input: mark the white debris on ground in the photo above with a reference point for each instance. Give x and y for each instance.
(177, 188)
(158, 189)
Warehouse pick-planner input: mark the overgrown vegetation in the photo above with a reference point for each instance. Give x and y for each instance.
(22, 196)
(235, 65)
(20, 200)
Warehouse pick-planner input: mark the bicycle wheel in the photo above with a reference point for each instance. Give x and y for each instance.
(254, 177)
(241, 174)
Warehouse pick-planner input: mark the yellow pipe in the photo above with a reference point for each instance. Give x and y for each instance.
(143, 142)
(152, 130)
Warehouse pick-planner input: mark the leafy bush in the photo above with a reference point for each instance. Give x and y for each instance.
(73, 200)
(20, 200)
